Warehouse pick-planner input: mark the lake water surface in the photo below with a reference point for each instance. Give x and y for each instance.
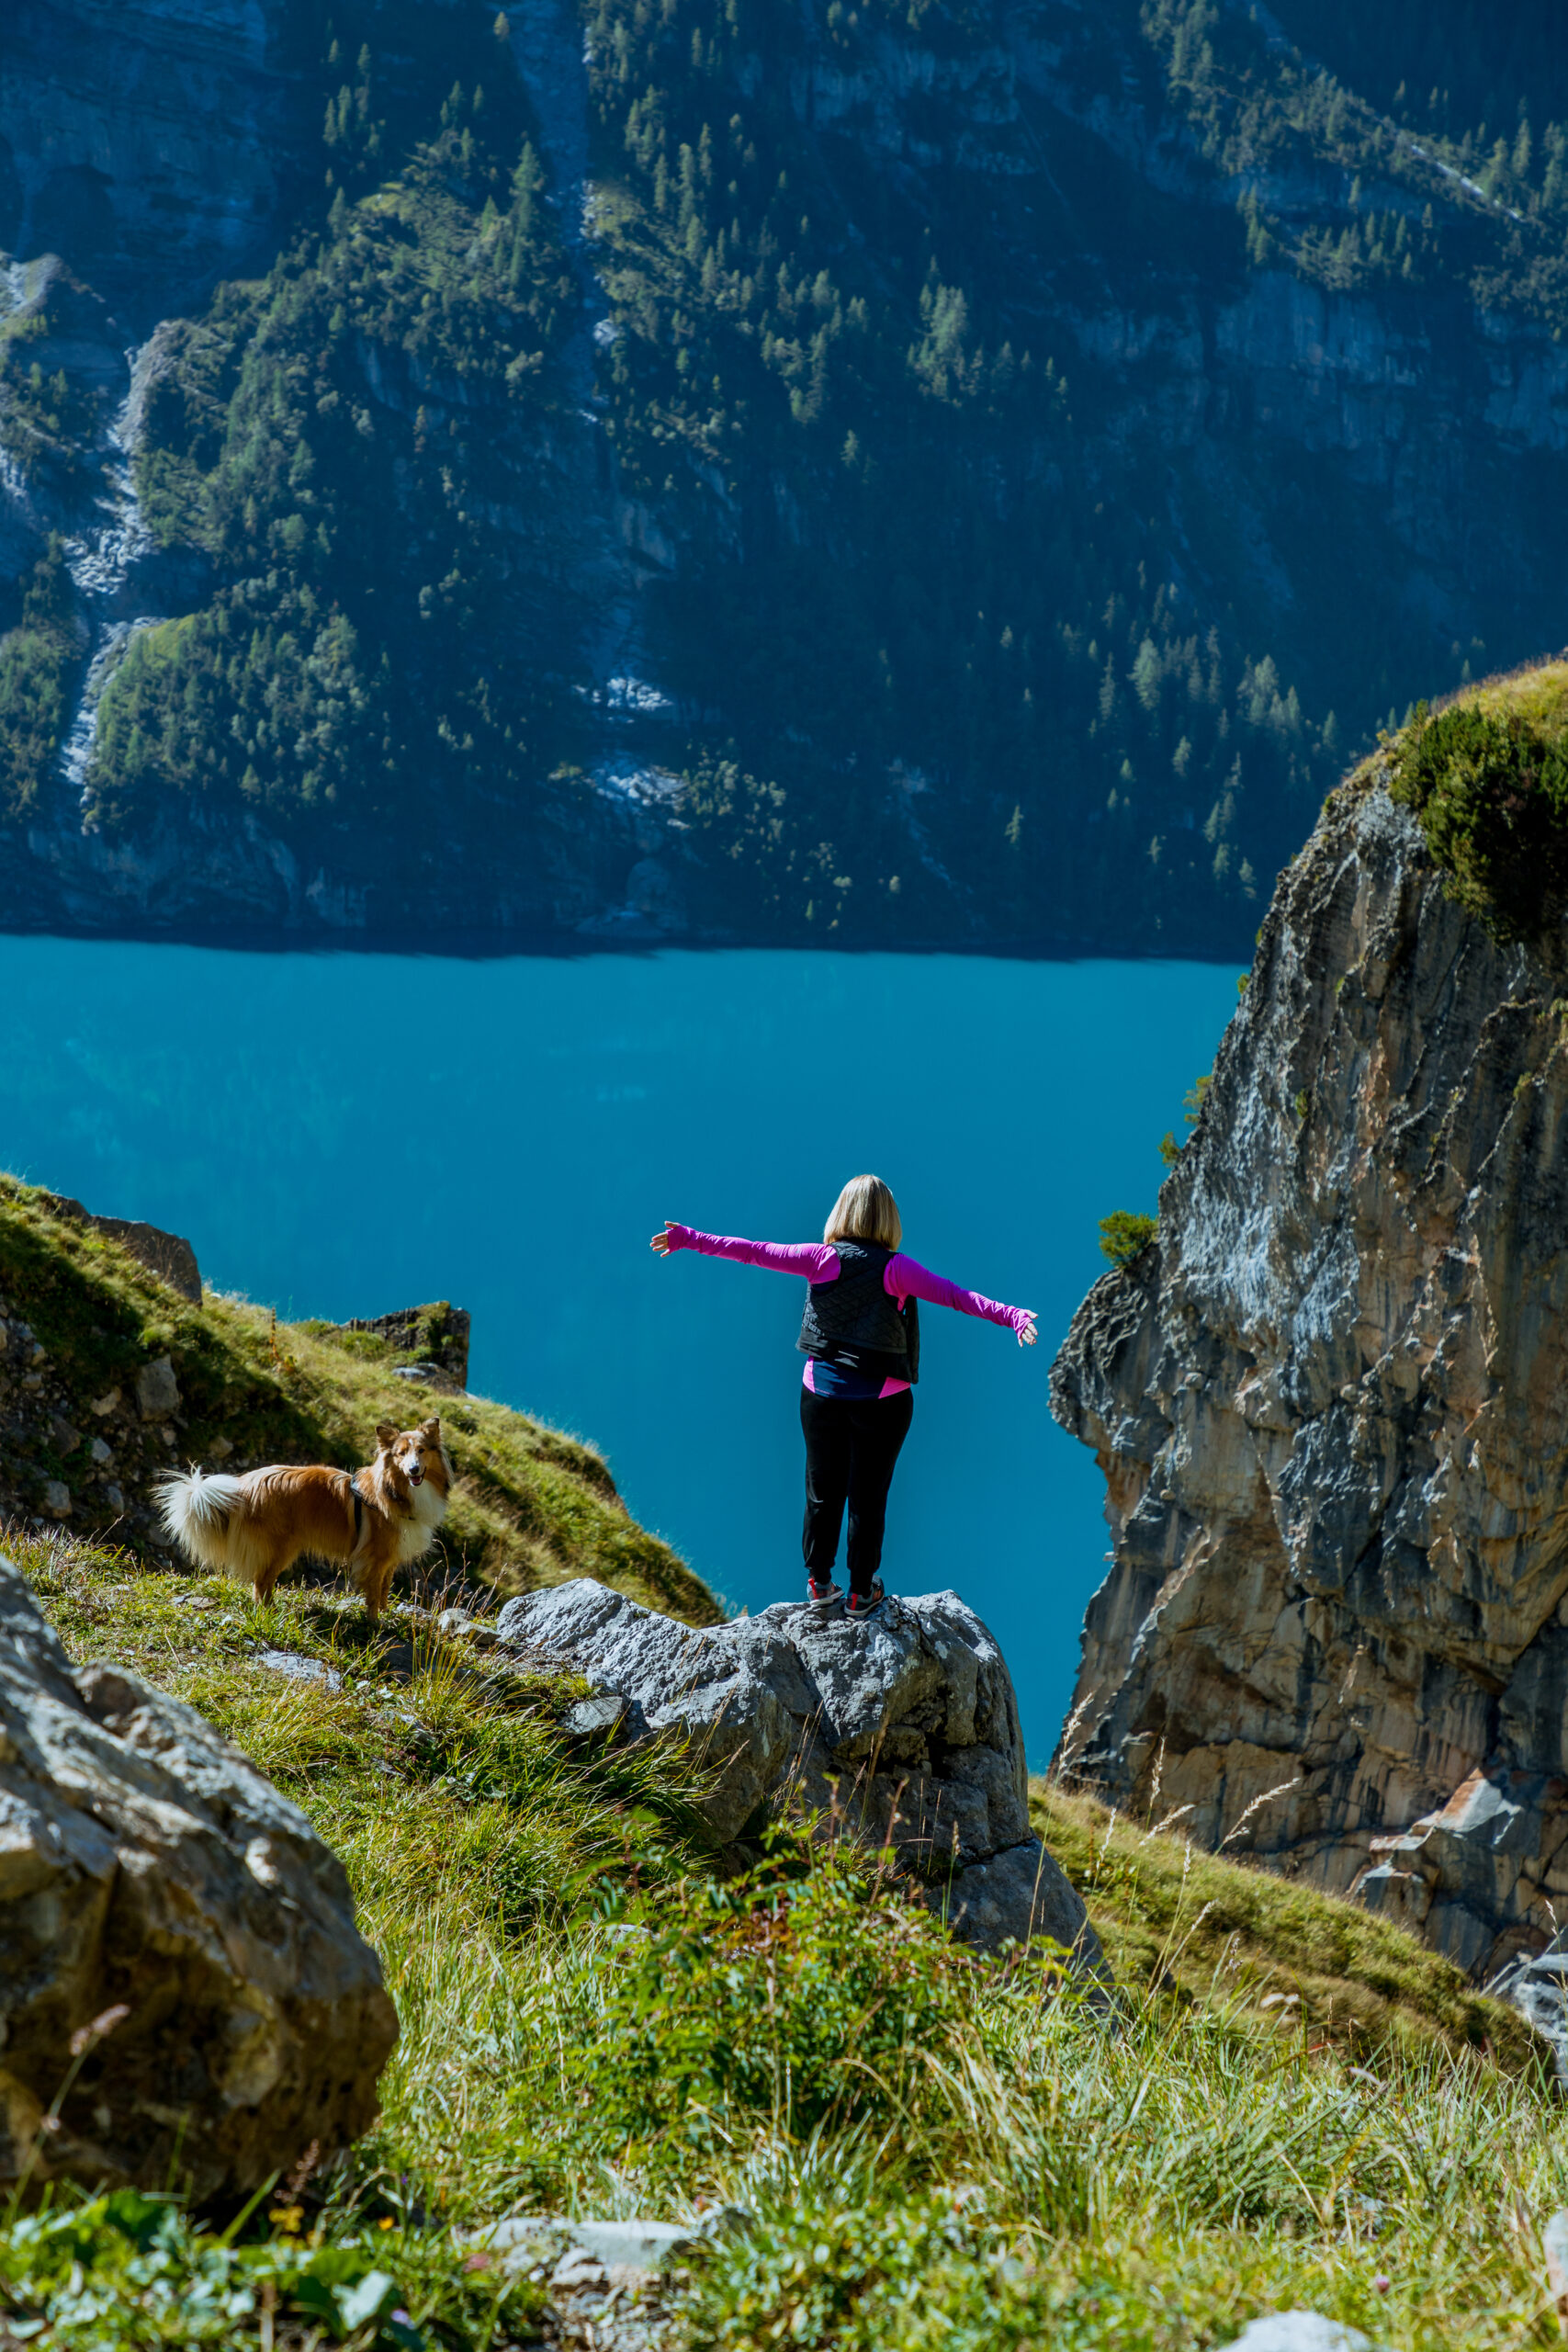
(341, 1134)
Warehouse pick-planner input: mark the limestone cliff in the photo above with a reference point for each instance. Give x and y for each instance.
(1331, 1403)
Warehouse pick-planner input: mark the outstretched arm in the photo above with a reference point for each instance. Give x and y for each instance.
(816, 1261)
(905, 1277)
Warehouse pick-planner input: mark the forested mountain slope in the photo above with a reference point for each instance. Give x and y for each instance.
(888, 473)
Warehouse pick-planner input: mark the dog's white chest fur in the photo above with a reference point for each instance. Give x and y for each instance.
(416, 1533)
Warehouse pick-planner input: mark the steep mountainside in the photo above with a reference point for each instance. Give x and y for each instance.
(1331, 1396)
(869, 472)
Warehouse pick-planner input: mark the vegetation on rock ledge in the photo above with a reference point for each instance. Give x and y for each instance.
(1487, 781)
(1125, 1235)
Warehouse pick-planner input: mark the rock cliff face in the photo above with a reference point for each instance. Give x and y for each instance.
(155, 143)
(1331, 1403)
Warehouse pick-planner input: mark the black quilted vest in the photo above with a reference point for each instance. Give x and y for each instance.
(852, 1321)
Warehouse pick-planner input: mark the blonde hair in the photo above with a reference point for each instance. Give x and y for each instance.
(864, 1211)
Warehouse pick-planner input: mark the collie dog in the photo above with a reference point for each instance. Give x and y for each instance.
(370, 1521)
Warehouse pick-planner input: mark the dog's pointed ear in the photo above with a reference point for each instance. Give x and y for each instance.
(431, 1428)
(386, 1434)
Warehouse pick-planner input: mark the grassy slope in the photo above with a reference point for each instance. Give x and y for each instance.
(932, 2153)
(1279, 1954)
(530, 1507)
(1536, 692)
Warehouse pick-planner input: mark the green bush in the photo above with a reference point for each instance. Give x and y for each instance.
(807, 1992)
(1125, 1235)
(1490, 795)
(845, 2265)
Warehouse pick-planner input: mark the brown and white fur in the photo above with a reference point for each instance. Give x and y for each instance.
(258, 1526)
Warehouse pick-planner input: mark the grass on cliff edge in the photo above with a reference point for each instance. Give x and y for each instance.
(931, 2152)
(1484, 773)
(530, 1507)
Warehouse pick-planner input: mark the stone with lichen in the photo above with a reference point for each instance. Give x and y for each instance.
(183, 1994)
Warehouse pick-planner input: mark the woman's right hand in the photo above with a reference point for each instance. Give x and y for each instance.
(661, 1244)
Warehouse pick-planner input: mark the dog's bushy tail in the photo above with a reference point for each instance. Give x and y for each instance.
(200, 1511)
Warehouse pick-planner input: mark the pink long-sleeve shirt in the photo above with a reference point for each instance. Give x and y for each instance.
(817, 1262)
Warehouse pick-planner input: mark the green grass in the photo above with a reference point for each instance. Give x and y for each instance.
(530, 1507)
(932, 2153)
(1283, 1956)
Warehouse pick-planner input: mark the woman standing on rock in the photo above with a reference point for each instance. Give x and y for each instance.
(861, 1338)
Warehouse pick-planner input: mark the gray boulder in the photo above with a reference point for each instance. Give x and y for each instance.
(607, 2281)
(1300, 2332)
(183, 1994)
(1535, 1984)
(906, 1727)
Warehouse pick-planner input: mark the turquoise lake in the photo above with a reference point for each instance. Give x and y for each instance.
(343, 1134)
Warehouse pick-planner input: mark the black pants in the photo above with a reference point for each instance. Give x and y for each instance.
(851, 1448)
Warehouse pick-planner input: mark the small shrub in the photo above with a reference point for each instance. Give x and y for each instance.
(1491, 798)
(807, 1992)
(1125, 1235)
(842, 2263)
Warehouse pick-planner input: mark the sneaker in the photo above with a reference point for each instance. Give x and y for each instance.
(825, 1594)
(861, 1605)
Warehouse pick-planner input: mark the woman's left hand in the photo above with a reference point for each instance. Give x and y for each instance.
(1027, 1334)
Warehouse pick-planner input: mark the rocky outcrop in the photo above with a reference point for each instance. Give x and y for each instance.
(1331, 1404)
(906, 1727)
(431, 1340)
(167, 1255)
(183, 1990)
